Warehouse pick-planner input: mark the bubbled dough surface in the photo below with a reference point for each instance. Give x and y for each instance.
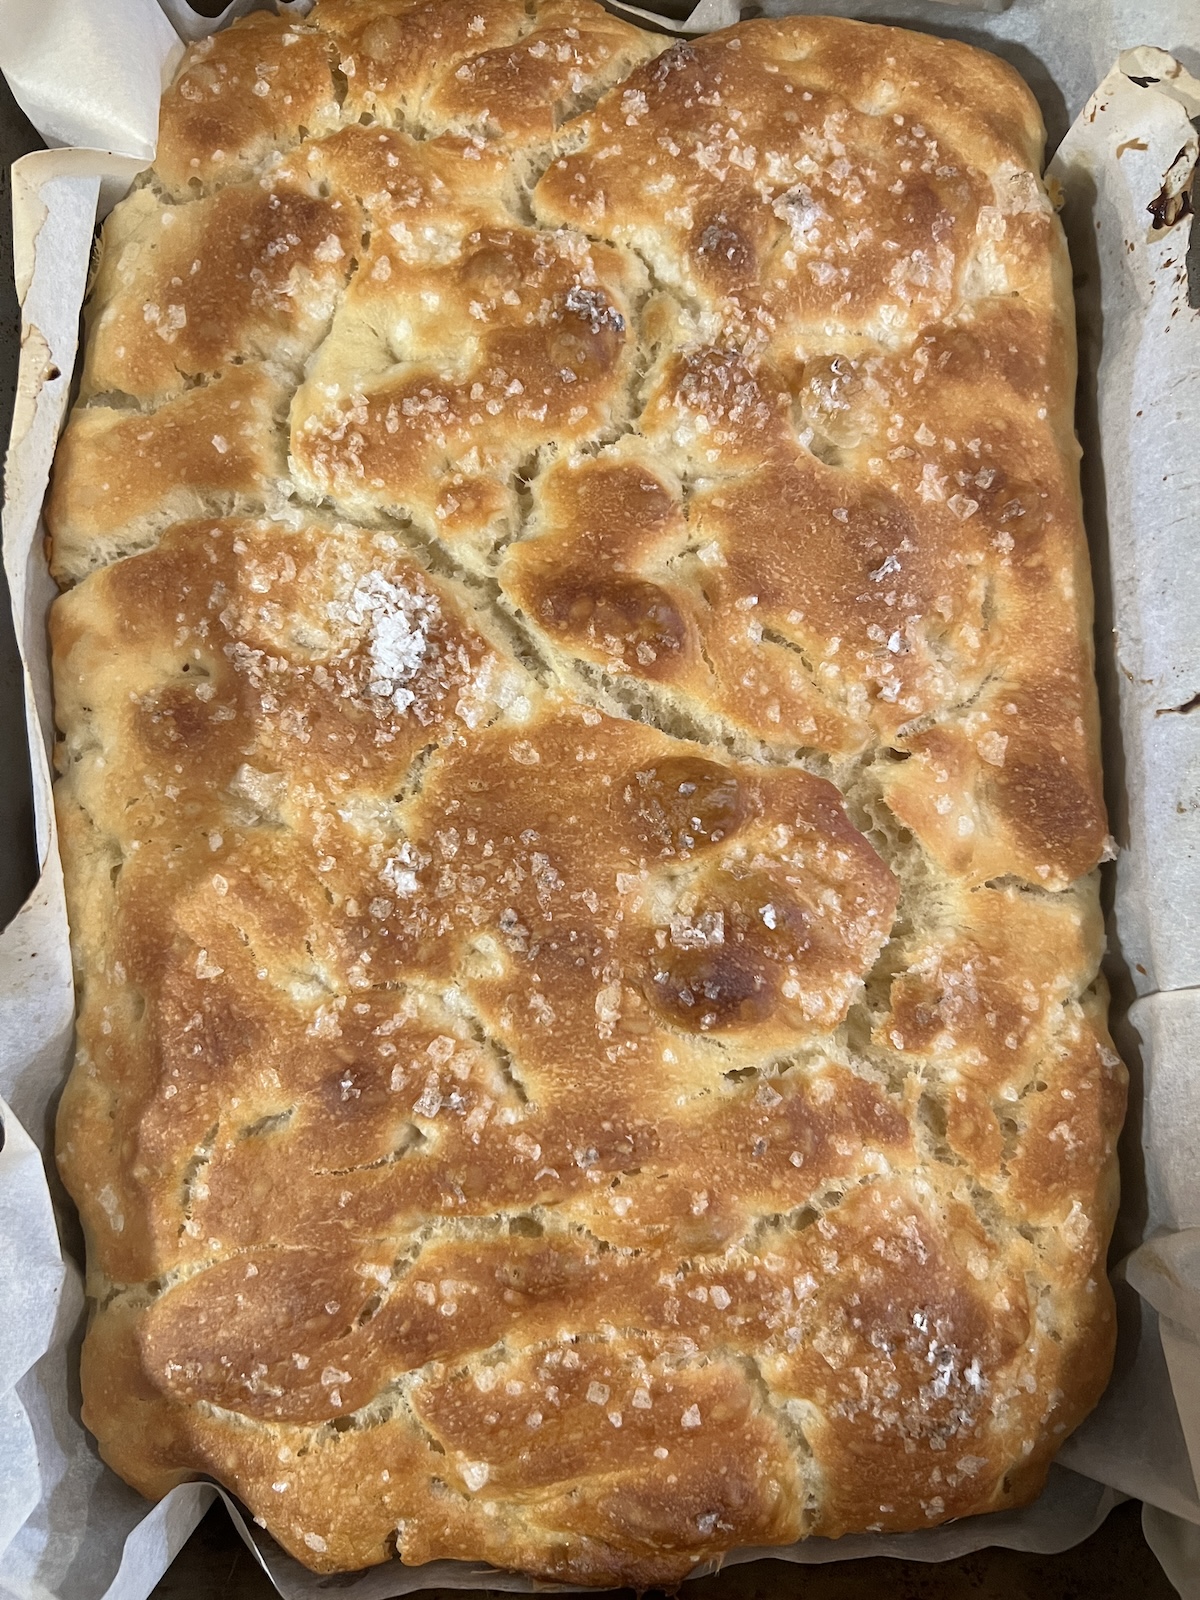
(580, 793)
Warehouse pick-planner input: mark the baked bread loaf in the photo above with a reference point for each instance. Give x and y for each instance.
(580, 793)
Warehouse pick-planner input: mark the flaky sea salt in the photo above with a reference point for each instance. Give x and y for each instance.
(398, 621)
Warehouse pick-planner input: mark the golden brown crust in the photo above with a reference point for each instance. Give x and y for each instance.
(121, 475)
(239, 96)
(580, 793)
(182, 292)
(506, 69)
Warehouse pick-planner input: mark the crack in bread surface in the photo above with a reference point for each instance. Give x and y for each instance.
(580, 795)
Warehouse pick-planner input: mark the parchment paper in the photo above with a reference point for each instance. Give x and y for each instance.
(91, 76)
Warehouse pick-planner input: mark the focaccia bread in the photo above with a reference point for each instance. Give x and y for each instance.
(580, 793)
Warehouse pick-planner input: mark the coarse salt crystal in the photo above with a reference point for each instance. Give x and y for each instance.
(398, 621)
